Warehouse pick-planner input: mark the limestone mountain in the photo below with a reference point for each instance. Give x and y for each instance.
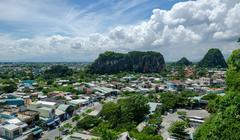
(183, 62)
(143, 62)
(213, 59)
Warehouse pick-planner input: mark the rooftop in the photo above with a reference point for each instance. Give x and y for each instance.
(14, 121)
(63, 107)
(46, 103)
(46, 108)
(11, 127)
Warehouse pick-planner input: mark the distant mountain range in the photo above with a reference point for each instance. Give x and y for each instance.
(147, 62)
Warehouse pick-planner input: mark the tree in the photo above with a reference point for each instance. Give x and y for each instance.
(57, 71)
(126, 111)
(145, 136)
(88, 122)
(108, 134)
(213, 105)
(66, 127)
(105, 132)
(76, 118)
(138, 106)
(112, 113)
(222, 126)
(150, 129)
(169, 100)
(177, 129)
(210, 97)
(233, 72)
(201, 72)
(9, 88)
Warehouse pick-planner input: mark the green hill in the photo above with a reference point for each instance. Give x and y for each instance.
(183, 62)
(143, 62)
(213, 59)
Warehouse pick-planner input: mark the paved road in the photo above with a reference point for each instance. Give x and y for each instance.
(96, 109)
(51, 134)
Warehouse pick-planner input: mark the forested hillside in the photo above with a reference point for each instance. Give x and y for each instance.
(213, 59)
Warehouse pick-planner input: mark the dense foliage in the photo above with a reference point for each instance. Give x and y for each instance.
(213, 59)
(144, 136)
(177, 129)
(57, 71)
(210, 97)
(124, 116)
(8, 87)
(111, 62)
(233, 73)
(88, 122)
(225, 122)
(173, 100)
(130, 110)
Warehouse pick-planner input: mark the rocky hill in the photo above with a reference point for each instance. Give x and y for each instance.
(143, 62)
(213, 59)
(183, 62)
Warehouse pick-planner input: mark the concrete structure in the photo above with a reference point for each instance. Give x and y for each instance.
(81, 136)
(78, 102)
(15, 102)
(153, 106)
(10, 131)
(124, 136)
(17, 122)
(215, 90)
(52, 105)
(175, 85)
(45, 110)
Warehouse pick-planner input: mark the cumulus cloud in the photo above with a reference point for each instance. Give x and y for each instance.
(186, 24)
(187, 29)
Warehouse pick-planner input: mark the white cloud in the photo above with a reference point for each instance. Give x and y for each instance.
(187, 29)
(186, 25)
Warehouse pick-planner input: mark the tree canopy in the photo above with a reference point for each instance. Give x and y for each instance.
(132, 109)
(233, 73)
(57, 71)
(177, 129)
(88, 122)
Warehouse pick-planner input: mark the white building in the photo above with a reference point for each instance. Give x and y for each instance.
(10, 131)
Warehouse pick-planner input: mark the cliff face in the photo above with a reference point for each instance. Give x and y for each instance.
(213, 59)
(144, 62)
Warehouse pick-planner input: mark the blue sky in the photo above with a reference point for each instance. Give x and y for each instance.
(78, 30)
(46, 18)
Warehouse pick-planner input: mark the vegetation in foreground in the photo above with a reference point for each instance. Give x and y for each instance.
(224, 124)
